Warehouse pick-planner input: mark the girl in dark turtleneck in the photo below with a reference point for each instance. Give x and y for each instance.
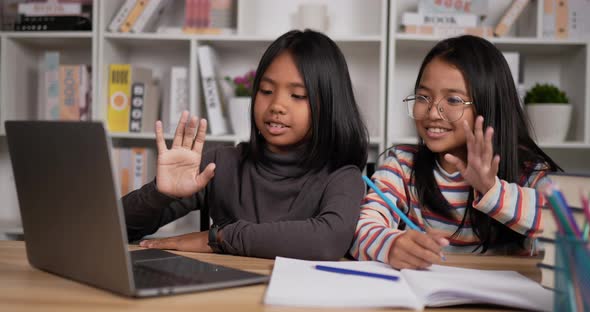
(293, 190)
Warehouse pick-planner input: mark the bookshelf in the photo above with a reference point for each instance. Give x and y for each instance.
(383, 64)
(359, 28)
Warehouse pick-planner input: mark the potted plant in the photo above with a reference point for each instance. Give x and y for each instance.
(239, 103)
(549, 111)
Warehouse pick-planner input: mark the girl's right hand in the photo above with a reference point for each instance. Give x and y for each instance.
(416, 250)
(178, 172)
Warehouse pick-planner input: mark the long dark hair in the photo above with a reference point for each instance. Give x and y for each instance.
(338, 136)
(492, 89)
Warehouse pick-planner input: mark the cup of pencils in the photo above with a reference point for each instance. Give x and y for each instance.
(572, 274)
(572, 256)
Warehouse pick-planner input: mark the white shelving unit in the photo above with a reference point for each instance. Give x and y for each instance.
(383, 64)
(564, 63)
(358, 27)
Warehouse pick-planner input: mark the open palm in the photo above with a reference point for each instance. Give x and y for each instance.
(178, 173)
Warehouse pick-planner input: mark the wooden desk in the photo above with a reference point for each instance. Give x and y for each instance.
(23, 288)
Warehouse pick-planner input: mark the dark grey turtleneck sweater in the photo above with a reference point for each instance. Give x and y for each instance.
(273, 208)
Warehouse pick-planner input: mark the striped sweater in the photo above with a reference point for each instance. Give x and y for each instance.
(518, 206)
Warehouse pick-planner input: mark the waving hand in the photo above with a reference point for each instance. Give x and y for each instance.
(178, 172)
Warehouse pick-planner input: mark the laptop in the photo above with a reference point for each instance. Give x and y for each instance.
(73, 218)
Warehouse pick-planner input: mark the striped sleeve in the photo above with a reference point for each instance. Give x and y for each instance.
(376, 229)
(518, 207)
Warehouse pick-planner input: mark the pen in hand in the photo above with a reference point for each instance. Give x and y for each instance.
(355, 272)
(395, 209)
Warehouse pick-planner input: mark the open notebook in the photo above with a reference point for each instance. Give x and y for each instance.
(298, 283)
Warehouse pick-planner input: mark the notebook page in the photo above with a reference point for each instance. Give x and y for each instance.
(298, 283)
(444, 285)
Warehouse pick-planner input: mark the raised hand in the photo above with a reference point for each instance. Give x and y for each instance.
(481, 168)
(178, 172)
(416, 250)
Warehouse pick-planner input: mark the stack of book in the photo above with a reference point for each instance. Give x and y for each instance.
(138, 16)
(133, 101)
(200, 17)
(446, 19)
(453, 18)
(65, 91)
(54, 15)
(134, 167)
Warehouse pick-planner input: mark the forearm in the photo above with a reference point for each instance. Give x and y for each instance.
(517, 207)
(322, 238)
(146, 210)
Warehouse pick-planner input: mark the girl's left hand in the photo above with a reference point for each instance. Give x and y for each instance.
(195, 242)
(482, 166)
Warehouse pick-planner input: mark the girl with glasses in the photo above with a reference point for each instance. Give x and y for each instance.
(472, 181)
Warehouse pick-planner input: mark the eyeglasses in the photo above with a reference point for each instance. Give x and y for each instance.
(449, 108)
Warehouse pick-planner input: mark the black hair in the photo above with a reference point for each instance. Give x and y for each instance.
(491, 87)
(338, 135)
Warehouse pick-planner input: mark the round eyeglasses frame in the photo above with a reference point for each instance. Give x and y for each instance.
(439, 109)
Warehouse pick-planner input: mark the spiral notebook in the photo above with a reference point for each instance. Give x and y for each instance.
(299, 283)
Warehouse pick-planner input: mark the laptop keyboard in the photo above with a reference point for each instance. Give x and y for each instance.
(176, 271)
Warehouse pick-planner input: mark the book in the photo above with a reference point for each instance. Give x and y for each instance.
(513, 60)
(150, 15)
(133, 15)
(121, 15)
(50, 7)
(51, 86)
(70, 82)
(510, 17)
(118, 106)
(448, 31)
(176, 98)
(478, 7)
(141, 82)
(210, 17)
(53, 23)
(446, 19)
(298, 283)
(211, 90)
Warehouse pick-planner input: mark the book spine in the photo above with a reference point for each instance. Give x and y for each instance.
(125, 170)
(178, 95)
(478, 7)
(138, 167)
(49, 8)
(510, 17)
(119, 96)
(211, 92)
(69, 92)
(561, 19)
(133, 15)
(138, 91)
(83, 90)
(53, 23)
(463, 20)
(449, 31)
(121, 15)
(549, 27)
(52, 109)
(151, 107)
(149, 16)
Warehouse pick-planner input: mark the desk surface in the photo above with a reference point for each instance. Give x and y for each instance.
(23, 288)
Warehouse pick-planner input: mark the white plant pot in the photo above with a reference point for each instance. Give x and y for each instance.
(239, 115)
(550, 122)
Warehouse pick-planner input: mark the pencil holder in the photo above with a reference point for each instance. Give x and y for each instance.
(572, 274)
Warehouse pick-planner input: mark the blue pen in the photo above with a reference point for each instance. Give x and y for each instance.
(391, 205)
(355, 272)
